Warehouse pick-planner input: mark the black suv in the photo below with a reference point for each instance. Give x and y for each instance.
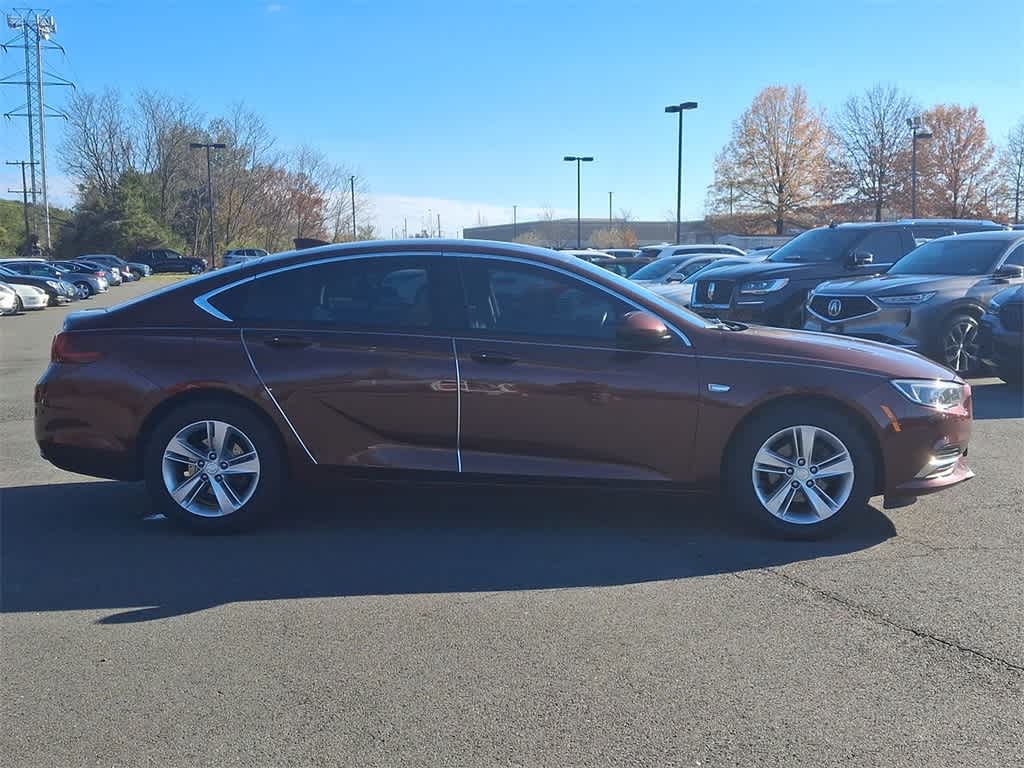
(167, 260)
(772, 292)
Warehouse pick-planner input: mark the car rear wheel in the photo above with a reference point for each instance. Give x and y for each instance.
(214, 467)
(195, 269)
(960, 344)
(82, 290)
(800, 471)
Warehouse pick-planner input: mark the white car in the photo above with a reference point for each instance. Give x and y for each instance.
(663, 250)
(8, 299)
(28, 297)
(242, 255)
(681, 291)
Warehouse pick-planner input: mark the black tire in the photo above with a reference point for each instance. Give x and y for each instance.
(270, 482)
(963, 366)
(195, 269)
(738, 479)
(19, 305)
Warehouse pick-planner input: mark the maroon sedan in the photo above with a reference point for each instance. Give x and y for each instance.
(485, 361)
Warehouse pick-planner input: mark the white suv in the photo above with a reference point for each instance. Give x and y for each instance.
(242, 255)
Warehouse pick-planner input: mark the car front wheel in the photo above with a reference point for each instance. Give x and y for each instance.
(800, 471)
(960, 345)
(214, 467)
(195, 269)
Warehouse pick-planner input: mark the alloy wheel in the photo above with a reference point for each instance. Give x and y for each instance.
(82, 291)
(961, 346)
(210, 468)
(803, 474)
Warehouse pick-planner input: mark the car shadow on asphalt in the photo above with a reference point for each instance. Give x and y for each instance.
(996, 400)
(86, 546)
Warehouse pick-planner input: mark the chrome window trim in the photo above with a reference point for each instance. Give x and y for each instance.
(270, 394)
(569, 273)
(834, 320)
(203, 300)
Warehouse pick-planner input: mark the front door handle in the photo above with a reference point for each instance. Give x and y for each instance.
(287, 342)
(493, 358)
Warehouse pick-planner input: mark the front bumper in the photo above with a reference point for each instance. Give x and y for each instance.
(38, 301)
(904, 327)
(999, 348)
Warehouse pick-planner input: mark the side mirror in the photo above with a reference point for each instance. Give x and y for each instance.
(1010, 271)
(642, 330)
(861, 258)
(674, 278)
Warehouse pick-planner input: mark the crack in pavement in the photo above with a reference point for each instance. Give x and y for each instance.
(879, 618)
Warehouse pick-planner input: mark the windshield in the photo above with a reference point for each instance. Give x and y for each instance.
(658, 268)
(951, 256)
(817, 245)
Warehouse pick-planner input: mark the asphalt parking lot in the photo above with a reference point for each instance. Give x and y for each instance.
(428, 626)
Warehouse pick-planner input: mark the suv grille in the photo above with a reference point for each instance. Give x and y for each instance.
(714, 291)
(842, 307)
(1012, 316)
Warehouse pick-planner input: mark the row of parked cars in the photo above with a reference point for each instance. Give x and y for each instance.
(30, 284)
(949, 289)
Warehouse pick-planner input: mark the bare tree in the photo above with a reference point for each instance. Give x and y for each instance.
(167, 125)
(955, 166)
(98, 144)
(1011, 166)
(776, 159)
(874, 140)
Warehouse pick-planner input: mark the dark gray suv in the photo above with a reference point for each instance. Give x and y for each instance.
(930, 301)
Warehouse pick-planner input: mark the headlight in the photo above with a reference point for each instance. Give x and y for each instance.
(906, 298)
(764, 286)
(54, 284)
(940, 395)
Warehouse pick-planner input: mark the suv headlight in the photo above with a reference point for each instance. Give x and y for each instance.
(906, 298)
(55, 285)
(940, 395)
(764, 286)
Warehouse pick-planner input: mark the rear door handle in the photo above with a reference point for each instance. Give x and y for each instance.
(493, 358)
(287, 342)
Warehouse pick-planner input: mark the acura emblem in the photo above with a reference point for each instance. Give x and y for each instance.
(835, 307)
(711, 291)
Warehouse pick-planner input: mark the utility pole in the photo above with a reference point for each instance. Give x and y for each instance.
(35, 28)
(352, 188)
(439, 225)
(515, 211)
(24, 195)
(209, 190)
(609, 210)
(405, 228)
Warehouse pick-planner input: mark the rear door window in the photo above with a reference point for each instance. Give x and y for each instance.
(384, 293)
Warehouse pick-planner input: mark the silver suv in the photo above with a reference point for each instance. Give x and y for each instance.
(242, 255)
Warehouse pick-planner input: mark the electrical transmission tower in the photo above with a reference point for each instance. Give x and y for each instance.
(35, 27)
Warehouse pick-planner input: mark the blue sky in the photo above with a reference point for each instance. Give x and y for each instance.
(460, 107)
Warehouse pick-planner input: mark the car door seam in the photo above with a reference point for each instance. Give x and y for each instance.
(270, 394)
(458, 406)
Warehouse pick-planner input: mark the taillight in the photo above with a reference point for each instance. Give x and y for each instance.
(71, 348)
(98, 274)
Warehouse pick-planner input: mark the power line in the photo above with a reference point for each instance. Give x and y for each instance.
(35, 28)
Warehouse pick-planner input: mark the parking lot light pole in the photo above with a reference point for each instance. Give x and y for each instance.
(352, 188)
(515, 211)
(673, 109)
(578, 160)
(917, 131)
(209, 188)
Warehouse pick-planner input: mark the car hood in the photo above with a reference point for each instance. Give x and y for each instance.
(897, 284)
(833, 351)
(757, 270)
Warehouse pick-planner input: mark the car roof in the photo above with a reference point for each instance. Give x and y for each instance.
(1008, 236)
